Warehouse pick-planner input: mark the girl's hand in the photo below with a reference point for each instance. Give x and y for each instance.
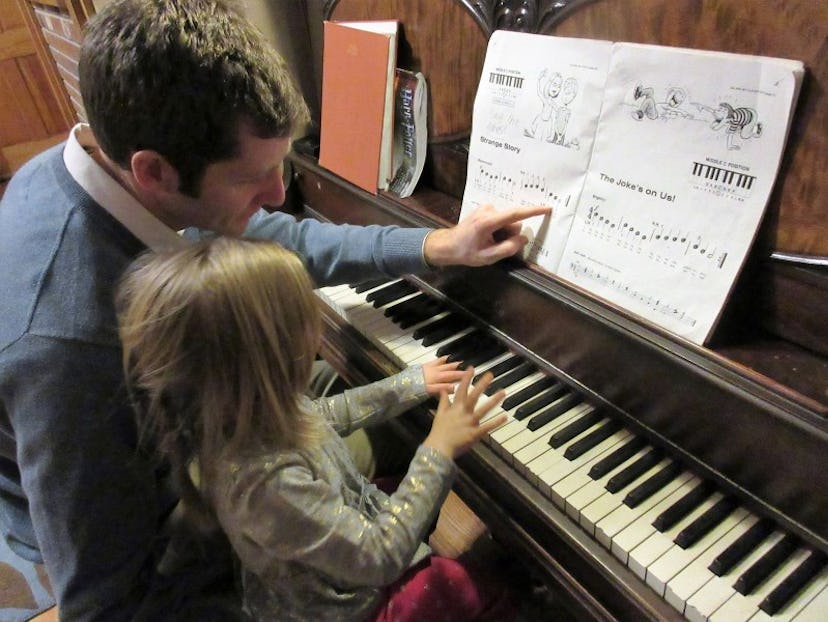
(456, 426)
(441, 376)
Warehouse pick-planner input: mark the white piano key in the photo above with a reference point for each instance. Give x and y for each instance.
(809, 605)
(657, 543)
(539, 454)
(713, 594)
(502, 435)
(676, 559)
(338, 293)
(673, 573)
(564, 478)
(741, 608)
(623, 516)
(415, 353)
(694, 576)
(347, 296)
(398, 343)
(815, 610)
(394, 336)
(594, 488)
(608, 501)
(512, 425)
(378, 328)
(529, 444)
(642, 528)
(487, 365)
(341, 298)
(367, 308)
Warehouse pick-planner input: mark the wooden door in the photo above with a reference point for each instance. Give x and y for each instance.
(39, 41)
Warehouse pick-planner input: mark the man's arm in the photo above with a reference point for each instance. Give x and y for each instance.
(336, 254)
(486, 236)
(349, 253)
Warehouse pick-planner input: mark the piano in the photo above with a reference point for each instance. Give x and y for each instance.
(641, 476)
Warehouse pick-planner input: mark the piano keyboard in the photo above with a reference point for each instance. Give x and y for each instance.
(706, 555)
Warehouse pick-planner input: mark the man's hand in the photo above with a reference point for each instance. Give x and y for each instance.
(486, 236)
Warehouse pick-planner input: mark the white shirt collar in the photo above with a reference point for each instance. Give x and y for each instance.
(113, 197)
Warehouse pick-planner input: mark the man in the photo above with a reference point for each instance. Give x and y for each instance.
(190, 117)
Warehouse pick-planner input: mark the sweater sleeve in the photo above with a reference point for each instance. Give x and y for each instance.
(335, 254)
(373, 403)
(290, 513)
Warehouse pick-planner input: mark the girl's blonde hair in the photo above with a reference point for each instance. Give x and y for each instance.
(218, 344)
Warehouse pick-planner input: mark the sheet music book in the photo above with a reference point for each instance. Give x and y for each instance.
(357, 117)
(658, 163)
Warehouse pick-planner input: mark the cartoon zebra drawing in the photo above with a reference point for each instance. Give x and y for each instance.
(738, 122)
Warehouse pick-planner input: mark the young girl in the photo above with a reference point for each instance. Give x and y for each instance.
(219, 340)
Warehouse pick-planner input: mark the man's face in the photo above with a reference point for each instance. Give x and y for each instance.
(231, 191)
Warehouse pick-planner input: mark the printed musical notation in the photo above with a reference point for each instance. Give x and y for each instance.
(671, 247)
(524, 188)
(657, 304)
(657, 162)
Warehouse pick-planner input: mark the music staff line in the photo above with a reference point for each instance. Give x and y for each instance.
(656, 303)
(530, 188)
(623, 232)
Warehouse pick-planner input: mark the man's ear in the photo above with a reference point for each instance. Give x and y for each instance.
(153, 173)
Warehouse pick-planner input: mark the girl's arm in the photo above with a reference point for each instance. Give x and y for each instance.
(385, 399)
(294, 512)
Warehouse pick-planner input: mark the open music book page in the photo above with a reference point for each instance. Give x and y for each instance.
(658, 163)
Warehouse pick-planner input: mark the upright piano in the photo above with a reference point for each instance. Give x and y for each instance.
(642, 476)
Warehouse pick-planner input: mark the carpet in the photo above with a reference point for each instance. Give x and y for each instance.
(24, 587)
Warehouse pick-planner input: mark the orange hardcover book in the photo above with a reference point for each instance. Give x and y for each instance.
(358, 63)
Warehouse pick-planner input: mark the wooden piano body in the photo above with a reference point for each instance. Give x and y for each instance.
(748, 413)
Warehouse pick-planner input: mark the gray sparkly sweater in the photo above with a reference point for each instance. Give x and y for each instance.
(318, 541)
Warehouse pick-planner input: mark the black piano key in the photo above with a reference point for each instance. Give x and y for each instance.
(487, 352)
(371, 284)
(554, 392)
(393, 311)
(451, 319)
(442, 329)
(518, 373)
(739, 549)
(568, 432)
(793, 583)
(502, 367)
(419, 313)
(700, 527)
(651, 485)
(632, 472)
(566, 403)
(683, 506)
(623, 453)
(452, 347)
(581, 446)
(384, 295)
(765, 565)
(462, 345)
(518, 397)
